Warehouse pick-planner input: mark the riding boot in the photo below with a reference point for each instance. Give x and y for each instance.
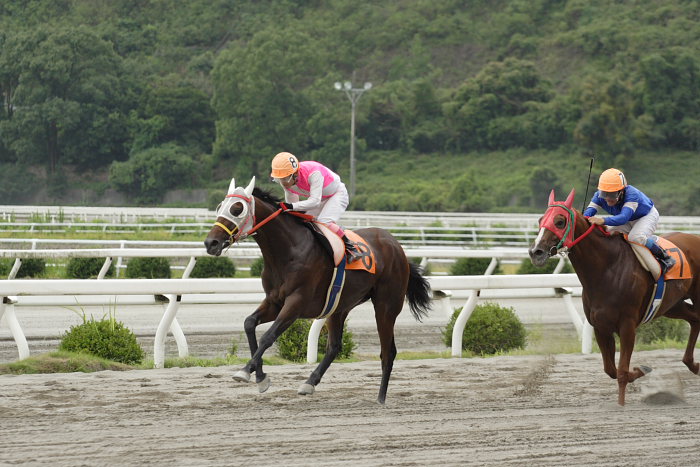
(351, 250)
(665, 260)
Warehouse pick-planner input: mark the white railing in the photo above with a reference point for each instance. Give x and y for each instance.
(221, 290)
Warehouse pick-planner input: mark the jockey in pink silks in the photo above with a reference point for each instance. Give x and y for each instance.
(327, 197)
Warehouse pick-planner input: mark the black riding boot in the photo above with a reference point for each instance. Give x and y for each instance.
(665, 260)
(351, 250)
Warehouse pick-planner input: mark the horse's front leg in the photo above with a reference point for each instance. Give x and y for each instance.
(624, 376)
(287, 315)
(265, 313)
(606, 343)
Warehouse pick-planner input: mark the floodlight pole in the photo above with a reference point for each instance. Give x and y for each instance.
(354, 96)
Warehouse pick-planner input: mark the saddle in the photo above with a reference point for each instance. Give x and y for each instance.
(335, 247)
(679, 271)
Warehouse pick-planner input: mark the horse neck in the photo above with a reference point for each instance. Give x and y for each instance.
(595, 254)
(280, 238)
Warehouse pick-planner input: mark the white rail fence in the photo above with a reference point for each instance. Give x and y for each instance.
(220, 290)
(171, 291)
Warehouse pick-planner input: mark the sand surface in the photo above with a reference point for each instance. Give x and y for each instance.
(533, 410)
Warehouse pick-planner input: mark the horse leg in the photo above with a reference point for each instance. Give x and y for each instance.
(606, 343)
(386, 309)
(682, 310)
(334, 325)
(288, 314)
(624, 376)
(265, 313)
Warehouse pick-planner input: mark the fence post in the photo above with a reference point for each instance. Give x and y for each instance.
(461, 321)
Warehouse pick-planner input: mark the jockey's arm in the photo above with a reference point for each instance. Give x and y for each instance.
(290, 197)
(315, 193)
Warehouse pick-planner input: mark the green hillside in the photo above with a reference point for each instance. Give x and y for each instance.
(475, 105)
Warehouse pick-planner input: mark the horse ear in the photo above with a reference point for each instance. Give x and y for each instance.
(232, 186)
(251, 185)
(551, 198)
(570, 199)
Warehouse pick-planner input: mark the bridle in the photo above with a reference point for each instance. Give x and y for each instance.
(567, 241)
(245, 223)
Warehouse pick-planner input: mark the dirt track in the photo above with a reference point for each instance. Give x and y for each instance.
(533, 410)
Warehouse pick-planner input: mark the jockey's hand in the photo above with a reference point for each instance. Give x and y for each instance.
(596, 220)
(286, 206)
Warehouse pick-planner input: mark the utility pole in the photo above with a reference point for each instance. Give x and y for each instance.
(354, 96)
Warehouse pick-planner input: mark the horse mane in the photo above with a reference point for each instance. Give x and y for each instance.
(266, 196)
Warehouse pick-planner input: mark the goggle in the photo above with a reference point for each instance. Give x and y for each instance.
(286, 179)
(610, 195)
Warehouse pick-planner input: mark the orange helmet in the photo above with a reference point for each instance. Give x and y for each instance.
(612, 180)
(284, 164)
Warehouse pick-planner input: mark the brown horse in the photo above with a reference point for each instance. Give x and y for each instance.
(296, 275)
(616, 288)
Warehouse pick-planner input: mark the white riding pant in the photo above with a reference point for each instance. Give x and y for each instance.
(332, 208)
(639, 230)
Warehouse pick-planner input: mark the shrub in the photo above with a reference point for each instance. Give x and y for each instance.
(106, 338)
(148, 268)
(526, 267)
(213, 266)
(293, 343)
(663, 329)
(86, 268)
(31, 267)
(472, 267)
(491, 328)
(256, 267)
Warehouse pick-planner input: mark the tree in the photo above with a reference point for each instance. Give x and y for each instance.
(70, 101)
(258, 96)
(481, 113)
(147, 175)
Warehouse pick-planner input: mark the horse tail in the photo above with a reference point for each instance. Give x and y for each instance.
(418, 294)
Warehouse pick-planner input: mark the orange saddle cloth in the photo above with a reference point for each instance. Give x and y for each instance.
(680, 270)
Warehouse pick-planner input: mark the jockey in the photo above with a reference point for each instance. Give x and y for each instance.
(327, 196)
(632, 212)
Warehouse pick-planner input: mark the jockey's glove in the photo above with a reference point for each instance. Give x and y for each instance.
(286, 206)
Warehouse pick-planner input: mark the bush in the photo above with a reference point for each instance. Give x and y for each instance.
(256, 267)
(213, 266)
(293, 343)
(86, 268)
(526, 267)
(106, 338)
(31, 267)
(472, 267)
(491, 328)
(148, 268)
(663, 329)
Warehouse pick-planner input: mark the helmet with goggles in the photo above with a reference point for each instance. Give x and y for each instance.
(611, 183)
(284, 164)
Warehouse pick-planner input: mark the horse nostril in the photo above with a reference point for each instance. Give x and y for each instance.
(210, 243)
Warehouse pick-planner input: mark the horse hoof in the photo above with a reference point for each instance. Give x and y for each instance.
(241, 376)
(306, 389)
(645, 369)
(264, 385)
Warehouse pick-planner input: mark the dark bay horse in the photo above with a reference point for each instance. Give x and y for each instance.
(296, 275)
(616, 287)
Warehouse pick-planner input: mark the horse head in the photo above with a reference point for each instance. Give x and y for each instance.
(235, 217)
(557, 227)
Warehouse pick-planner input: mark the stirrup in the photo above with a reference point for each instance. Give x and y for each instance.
(351, 253)
(666, 264)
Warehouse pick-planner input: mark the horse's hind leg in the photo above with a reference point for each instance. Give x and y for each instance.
(682, 310)
(334, 325)
(386, 309)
